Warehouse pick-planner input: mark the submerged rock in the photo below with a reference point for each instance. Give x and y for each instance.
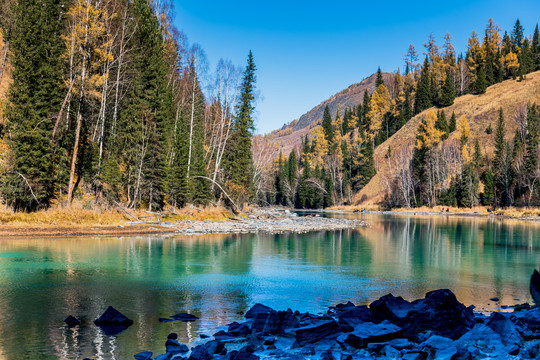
(72, 321)
(145, 355)
(185, 317)
(172, 346)
(200, 353)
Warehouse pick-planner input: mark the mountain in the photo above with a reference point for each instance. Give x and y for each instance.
(290, 135)
(480, 110)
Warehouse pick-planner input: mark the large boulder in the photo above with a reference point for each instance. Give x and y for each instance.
(214, 346)
(349, 319)
(316, 332)
(173, 347)
(200, 353)
(482, 338)
(258, 309)
(535, 287)
(439, 312)
(391, 308)
(239, 329)
(72, 321)
(505, 329)
(274, 323)
(369, 332)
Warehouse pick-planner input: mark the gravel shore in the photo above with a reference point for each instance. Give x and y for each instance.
(268, 221)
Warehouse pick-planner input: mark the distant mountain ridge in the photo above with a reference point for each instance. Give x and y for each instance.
(290, 135)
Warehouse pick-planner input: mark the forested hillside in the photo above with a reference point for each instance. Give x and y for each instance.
(417, 145)
(106, 105)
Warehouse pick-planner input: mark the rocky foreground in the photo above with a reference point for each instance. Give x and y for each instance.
(267, 221)
(436, 327)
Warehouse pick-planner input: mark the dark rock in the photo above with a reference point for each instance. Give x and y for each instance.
(242, 355)
(439, 347)
(521, 307)
(401, 344)
(494, 299)
(310, 319)
(239, 329)
(535, 287)
(112, 317)
(348, 320)
(174, 347)
(185, 317)
(271, 347)
(274, 323)
(269, 341)
(165, 320)
(258, 309)
(204, 336)
(327, 355)
(240, 313)
(199, 352)
(527, 319)
(145, 355)
(72, 321)
(390, 352)
(440, 312)
(214, 346)
(254, 342)
(483, 339)
(413, 356)
(173, 336)
(313, 333)
(221, 334)
(505, 328)
(391, 308)
(368, 332)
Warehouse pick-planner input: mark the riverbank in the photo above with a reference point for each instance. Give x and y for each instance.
(526, 214)
(435, 327)
(188, 221)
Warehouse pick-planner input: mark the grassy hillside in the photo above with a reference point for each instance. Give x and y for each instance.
(5, 81)
(290, 135)
(480, 111)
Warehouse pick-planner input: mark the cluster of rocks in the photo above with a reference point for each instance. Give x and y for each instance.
(436, 327)
(269, 221)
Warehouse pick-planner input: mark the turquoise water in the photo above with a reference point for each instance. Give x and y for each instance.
(43, 280)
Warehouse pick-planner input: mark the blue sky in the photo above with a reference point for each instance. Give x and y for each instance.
(306, 51)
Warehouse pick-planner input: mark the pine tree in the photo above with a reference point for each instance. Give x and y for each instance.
(533, 150)
(453, 123)
(448, 91)
(481, 82)
(535, 48)
(424, 97)
(379, 80)
(240, 158)
(478, 159)
(489, 185)
(500, 142)
(327, 125)
(442, 124)
(293, 165)
(517, 34)
(34, 98)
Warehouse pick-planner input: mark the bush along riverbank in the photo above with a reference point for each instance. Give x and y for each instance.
(436, 327)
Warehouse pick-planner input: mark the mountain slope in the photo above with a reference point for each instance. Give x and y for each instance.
(480, 111)
(290, 135)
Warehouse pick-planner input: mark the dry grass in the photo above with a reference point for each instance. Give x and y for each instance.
(209, 213)
(62, 217)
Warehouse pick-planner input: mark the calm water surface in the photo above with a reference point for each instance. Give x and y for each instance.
(215, 276)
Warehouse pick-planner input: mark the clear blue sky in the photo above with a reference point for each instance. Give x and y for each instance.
(306, 51)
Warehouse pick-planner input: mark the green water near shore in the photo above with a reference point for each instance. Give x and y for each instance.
(216, 276)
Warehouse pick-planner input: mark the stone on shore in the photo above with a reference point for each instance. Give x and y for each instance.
(505, 329)
(535, 287)
(200, 352)
(274, 322)
(349, 319)
(369, 332)
(316, 332)
(145, 355)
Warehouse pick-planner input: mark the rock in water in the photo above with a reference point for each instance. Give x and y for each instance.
(113, 322)
(184, 317)
(145, 355)
(112, 317)
(258, 309)
(174, 347)
(535, 287)
(72, 321)
(199, 353)
(505, 328)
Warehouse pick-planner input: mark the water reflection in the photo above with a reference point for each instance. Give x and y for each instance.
(44, 280)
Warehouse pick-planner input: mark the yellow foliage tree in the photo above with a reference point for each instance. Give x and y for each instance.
(464, 130)
(379, 105)
(511, 63)
(320, 147)
(428, 135)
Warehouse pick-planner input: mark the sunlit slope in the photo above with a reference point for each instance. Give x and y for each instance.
(480, 111)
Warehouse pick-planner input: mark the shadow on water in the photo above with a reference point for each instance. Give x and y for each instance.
(216, 276)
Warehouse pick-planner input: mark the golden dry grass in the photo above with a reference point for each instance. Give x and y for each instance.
(480, 111)
(209, 213)
(62, 217)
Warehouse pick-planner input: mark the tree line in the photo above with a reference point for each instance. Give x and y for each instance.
(107, 100)
(336, 160)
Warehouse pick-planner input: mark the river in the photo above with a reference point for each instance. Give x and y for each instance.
(42, 280)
